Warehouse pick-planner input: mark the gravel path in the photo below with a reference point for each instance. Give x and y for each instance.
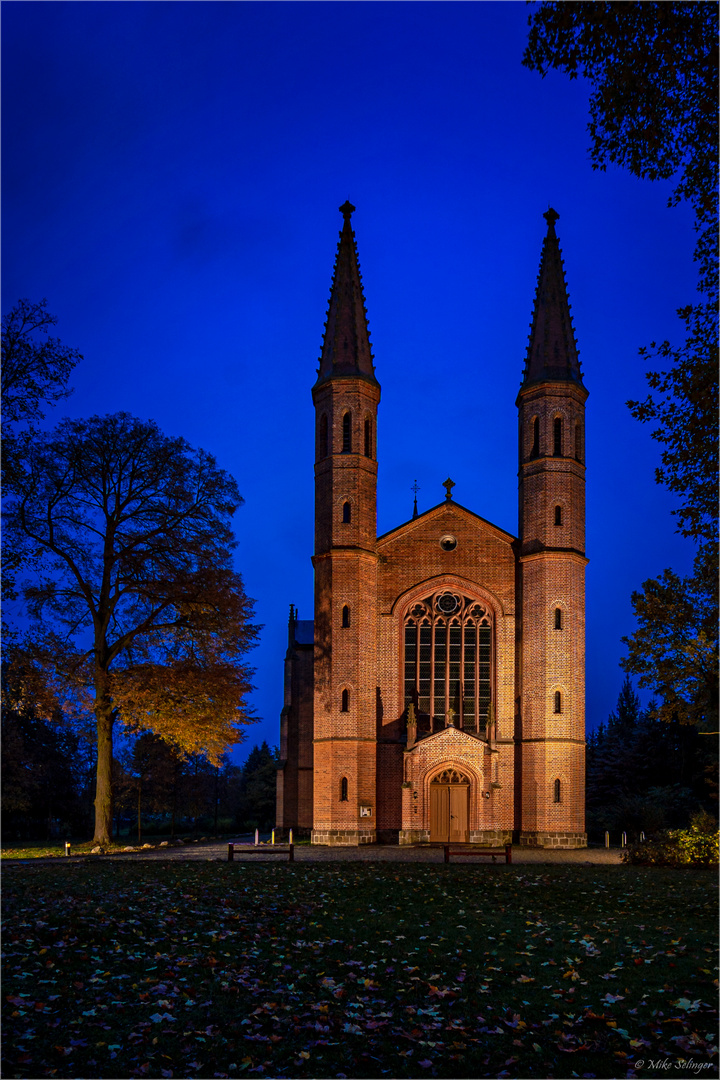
(310, 853)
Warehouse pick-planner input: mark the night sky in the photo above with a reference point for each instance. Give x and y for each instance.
(172, 174)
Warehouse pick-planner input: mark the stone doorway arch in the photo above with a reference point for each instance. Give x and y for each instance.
(450, 807)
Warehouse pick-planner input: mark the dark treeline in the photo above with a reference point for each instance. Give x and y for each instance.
(48, 784)
(645, 774)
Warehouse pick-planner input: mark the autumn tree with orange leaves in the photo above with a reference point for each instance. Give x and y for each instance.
(137, 611)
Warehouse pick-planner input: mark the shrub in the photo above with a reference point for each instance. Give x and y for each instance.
(695, 846)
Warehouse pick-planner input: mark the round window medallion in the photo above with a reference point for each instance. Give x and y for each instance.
(447, 603)
(448, 542)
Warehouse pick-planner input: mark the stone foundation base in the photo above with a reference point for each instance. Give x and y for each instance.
(343, 837)
(481, 837)
(553, 839)
(414, 836)
(491, 837)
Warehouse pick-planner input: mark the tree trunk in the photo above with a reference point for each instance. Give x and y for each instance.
(103, 787)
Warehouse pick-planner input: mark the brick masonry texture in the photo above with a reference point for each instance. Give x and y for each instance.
(347, 775)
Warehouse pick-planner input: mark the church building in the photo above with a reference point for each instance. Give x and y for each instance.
(438, 695)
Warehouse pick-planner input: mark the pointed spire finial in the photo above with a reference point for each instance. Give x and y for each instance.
(552, 352)
(448, 485)
(415, 488)
(346, 345)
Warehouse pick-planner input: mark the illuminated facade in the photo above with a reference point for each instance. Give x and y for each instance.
(439, 692)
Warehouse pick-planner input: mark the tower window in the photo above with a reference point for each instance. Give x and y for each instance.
(558, 701)
(558, 626)
(368, 438)
(323, 440)
(344, 701)
(556, 791)
(557, 436)
(558, 515)
(578, 442)
(347, 513)
(344, 793)
(345, 616)
(347, 433)
(535, 450)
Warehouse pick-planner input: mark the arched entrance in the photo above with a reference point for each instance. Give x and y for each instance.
(449, 807)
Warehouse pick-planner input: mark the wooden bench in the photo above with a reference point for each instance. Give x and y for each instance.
(261, 849)
(478, 852)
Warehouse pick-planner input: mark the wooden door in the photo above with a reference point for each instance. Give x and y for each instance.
(439, 813)
(459, 833)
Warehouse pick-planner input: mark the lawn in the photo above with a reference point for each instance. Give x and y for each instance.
(200, 969)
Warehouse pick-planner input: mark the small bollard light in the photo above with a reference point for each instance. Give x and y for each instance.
(290, 840)
(642, 836)
(624, 839)
(67, 847)
(257, 837)
(607, 839)
(272, 837)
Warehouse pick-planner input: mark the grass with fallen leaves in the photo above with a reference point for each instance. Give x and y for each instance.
(197, 969)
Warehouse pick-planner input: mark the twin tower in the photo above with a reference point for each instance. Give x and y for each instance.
(438, 695)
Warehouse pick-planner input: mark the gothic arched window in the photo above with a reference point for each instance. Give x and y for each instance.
(449, 660)
(535, 449)
(344, 701)
(347, 513)
(558, 515)
(347, 433)
(556, 791)
(557, 436)
(344, 790)
(368, 438)
(558, 621)
(558, 701)
(323, 440)
(345, 616)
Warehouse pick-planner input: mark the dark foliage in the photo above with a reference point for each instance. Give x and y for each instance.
(644, 774)
(255, 807)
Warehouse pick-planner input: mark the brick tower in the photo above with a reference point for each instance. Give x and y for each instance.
(346, 397)
(551, 582)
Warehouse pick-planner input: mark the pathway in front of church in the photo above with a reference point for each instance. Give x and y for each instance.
(309, 853)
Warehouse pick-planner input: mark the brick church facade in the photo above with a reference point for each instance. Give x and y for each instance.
(439, 692)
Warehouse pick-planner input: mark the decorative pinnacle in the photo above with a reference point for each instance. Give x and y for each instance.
(346, 209)
(550, 215)
(415, 488)
(448, 485)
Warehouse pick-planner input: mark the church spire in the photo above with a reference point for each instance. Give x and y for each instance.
(346, 345)
(552, 353)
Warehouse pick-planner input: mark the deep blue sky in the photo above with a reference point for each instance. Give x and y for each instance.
(171, 179)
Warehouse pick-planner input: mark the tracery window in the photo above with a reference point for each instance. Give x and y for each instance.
(450, 776)
(448, 661)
